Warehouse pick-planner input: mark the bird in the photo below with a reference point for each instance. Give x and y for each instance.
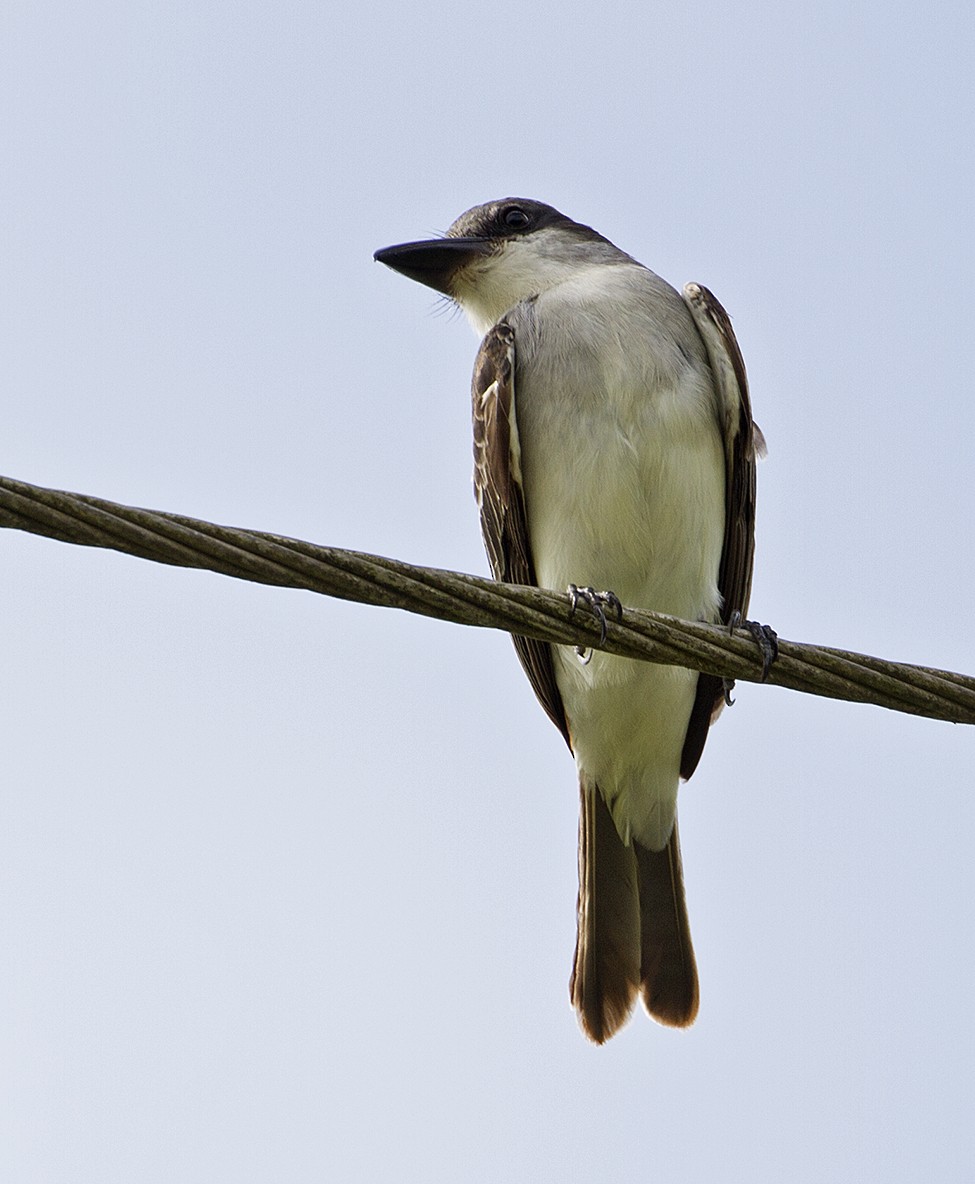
(614, 452)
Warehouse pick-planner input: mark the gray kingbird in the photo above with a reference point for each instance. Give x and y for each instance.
(614, 448)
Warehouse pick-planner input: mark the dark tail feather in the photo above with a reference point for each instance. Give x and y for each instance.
(668, 973)
(632, 933)
(606, 973)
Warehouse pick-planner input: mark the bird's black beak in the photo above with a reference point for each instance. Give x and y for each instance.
(435, 261)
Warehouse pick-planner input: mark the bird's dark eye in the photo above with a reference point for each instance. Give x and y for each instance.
(515, 218)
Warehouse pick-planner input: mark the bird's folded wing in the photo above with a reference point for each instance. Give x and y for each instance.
(500, 498)
(742, 441)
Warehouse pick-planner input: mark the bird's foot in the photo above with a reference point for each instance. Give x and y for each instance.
(765, 638)
(597, 603)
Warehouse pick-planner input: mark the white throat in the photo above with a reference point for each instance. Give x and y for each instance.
(523, 267)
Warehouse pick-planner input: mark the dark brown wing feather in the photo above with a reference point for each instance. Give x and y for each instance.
(740, 436)
(497, 486)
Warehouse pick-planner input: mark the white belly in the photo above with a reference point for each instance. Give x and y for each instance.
(624, 488)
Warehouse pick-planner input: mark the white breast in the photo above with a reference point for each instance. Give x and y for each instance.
(623, 468)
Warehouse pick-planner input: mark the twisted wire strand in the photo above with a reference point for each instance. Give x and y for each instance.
(470, 600)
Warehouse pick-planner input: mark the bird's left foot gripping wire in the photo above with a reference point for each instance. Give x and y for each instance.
(597, 603)
(767, 641)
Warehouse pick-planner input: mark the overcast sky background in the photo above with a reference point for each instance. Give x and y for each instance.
(287, 885)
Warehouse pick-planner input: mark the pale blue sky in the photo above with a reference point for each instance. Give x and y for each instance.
(287, 886)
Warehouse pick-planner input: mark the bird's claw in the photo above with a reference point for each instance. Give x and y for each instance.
(597, 603)
(765, 638)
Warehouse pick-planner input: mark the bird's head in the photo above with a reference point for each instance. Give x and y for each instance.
(500, 253)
